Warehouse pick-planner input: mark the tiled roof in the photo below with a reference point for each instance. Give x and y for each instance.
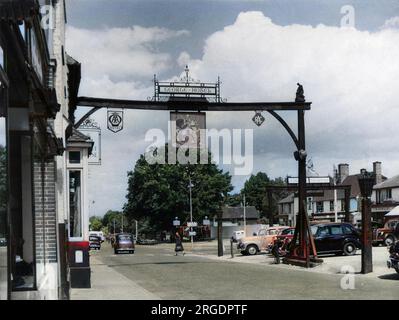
(78, 136)
(288, 199)
(238, 213)
(389, 183)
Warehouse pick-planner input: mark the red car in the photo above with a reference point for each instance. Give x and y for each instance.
(285, 237)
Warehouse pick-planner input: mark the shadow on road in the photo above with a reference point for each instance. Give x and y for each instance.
(160, 263)
(392, 276)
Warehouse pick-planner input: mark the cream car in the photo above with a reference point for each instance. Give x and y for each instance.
(260, 242)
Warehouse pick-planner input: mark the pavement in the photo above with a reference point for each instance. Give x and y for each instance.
(107, 284)
(154, 272)
(3, 273)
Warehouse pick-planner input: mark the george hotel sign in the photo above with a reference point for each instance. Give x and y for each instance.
(187, 89)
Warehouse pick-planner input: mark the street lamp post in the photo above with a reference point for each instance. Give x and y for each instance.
(190, 186)
(245, 217)
(366, 182)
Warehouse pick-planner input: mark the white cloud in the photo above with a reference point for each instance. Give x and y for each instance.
(349, 75)
(391, 23)
(120, 52)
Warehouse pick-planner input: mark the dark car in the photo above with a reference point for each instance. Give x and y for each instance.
(95, 243)
(124, 243)
(338, 238)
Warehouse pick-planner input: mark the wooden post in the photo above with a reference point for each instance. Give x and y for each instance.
(367, 257)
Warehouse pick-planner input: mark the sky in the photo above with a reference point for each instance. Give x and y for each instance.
(345, 60)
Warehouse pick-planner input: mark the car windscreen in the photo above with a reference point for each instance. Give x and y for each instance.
(287, 231)
(124, 238)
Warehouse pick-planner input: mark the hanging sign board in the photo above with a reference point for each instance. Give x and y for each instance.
(92, 129)
(192, 224)
(115, 121)
(184, 89)
(186, 129)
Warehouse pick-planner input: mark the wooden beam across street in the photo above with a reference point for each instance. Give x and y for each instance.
(190, 104)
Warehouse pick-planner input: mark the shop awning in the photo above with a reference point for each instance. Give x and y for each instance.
(393, 212)
(18, 10)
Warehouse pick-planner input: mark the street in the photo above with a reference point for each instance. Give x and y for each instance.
(201, 275)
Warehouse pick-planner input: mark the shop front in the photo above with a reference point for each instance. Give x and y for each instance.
(27, 107)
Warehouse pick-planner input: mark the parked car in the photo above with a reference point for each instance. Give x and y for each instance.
(285, 236)
(99, 234)
(94, 243)
(237, 235)
(259, 242)
(338, 238)
(3, 242)
(124, 243)
(385, 235)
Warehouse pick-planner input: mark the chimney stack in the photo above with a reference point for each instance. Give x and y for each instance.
(377, 172)
(343, 172)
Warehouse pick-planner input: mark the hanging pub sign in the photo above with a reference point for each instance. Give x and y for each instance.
(187, 129)
(91, 129)
(115, 121)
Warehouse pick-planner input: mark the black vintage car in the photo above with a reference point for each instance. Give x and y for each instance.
(95, 243)
(336, 238)
(123, 243)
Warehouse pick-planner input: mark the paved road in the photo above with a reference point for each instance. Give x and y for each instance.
(193, 277)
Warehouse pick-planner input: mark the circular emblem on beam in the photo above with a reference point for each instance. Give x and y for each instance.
(258, 119)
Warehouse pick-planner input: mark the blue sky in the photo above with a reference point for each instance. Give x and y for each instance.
(261, 49)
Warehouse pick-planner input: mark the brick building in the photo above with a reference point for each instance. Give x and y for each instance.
(37, 83)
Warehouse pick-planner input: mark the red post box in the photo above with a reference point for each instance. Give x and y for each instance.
(79, 264)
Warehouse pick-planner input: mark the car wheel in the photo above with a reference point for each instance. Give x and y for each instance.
(389, 241)
(349, 249)
(252, 250)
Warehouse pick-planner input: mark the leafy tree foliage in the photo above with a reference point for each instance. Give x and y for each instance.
(95, 223)
(157, 193)
(256, 195)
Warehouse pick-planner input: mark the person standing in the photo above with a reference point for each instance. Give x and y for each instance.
(179, 244)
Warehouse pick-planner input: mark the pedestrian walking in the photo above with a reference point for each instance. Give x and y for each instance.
(179, 245)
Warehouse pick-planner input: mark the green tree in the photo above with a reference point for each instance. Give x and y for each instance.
(234, 200)
(108, 221)
(256, 194)
(95, 223)
(157, 193)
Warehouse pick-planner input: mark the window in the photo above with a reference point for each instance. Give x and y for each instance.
(309, 204)
(75, 205)
(336, 230)
(261, 232)
(347, 229)
(319, 207)
(63, 55)
(342, 205)
(1, 57)
(74, 157)
(323, 231)
(332, 207)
